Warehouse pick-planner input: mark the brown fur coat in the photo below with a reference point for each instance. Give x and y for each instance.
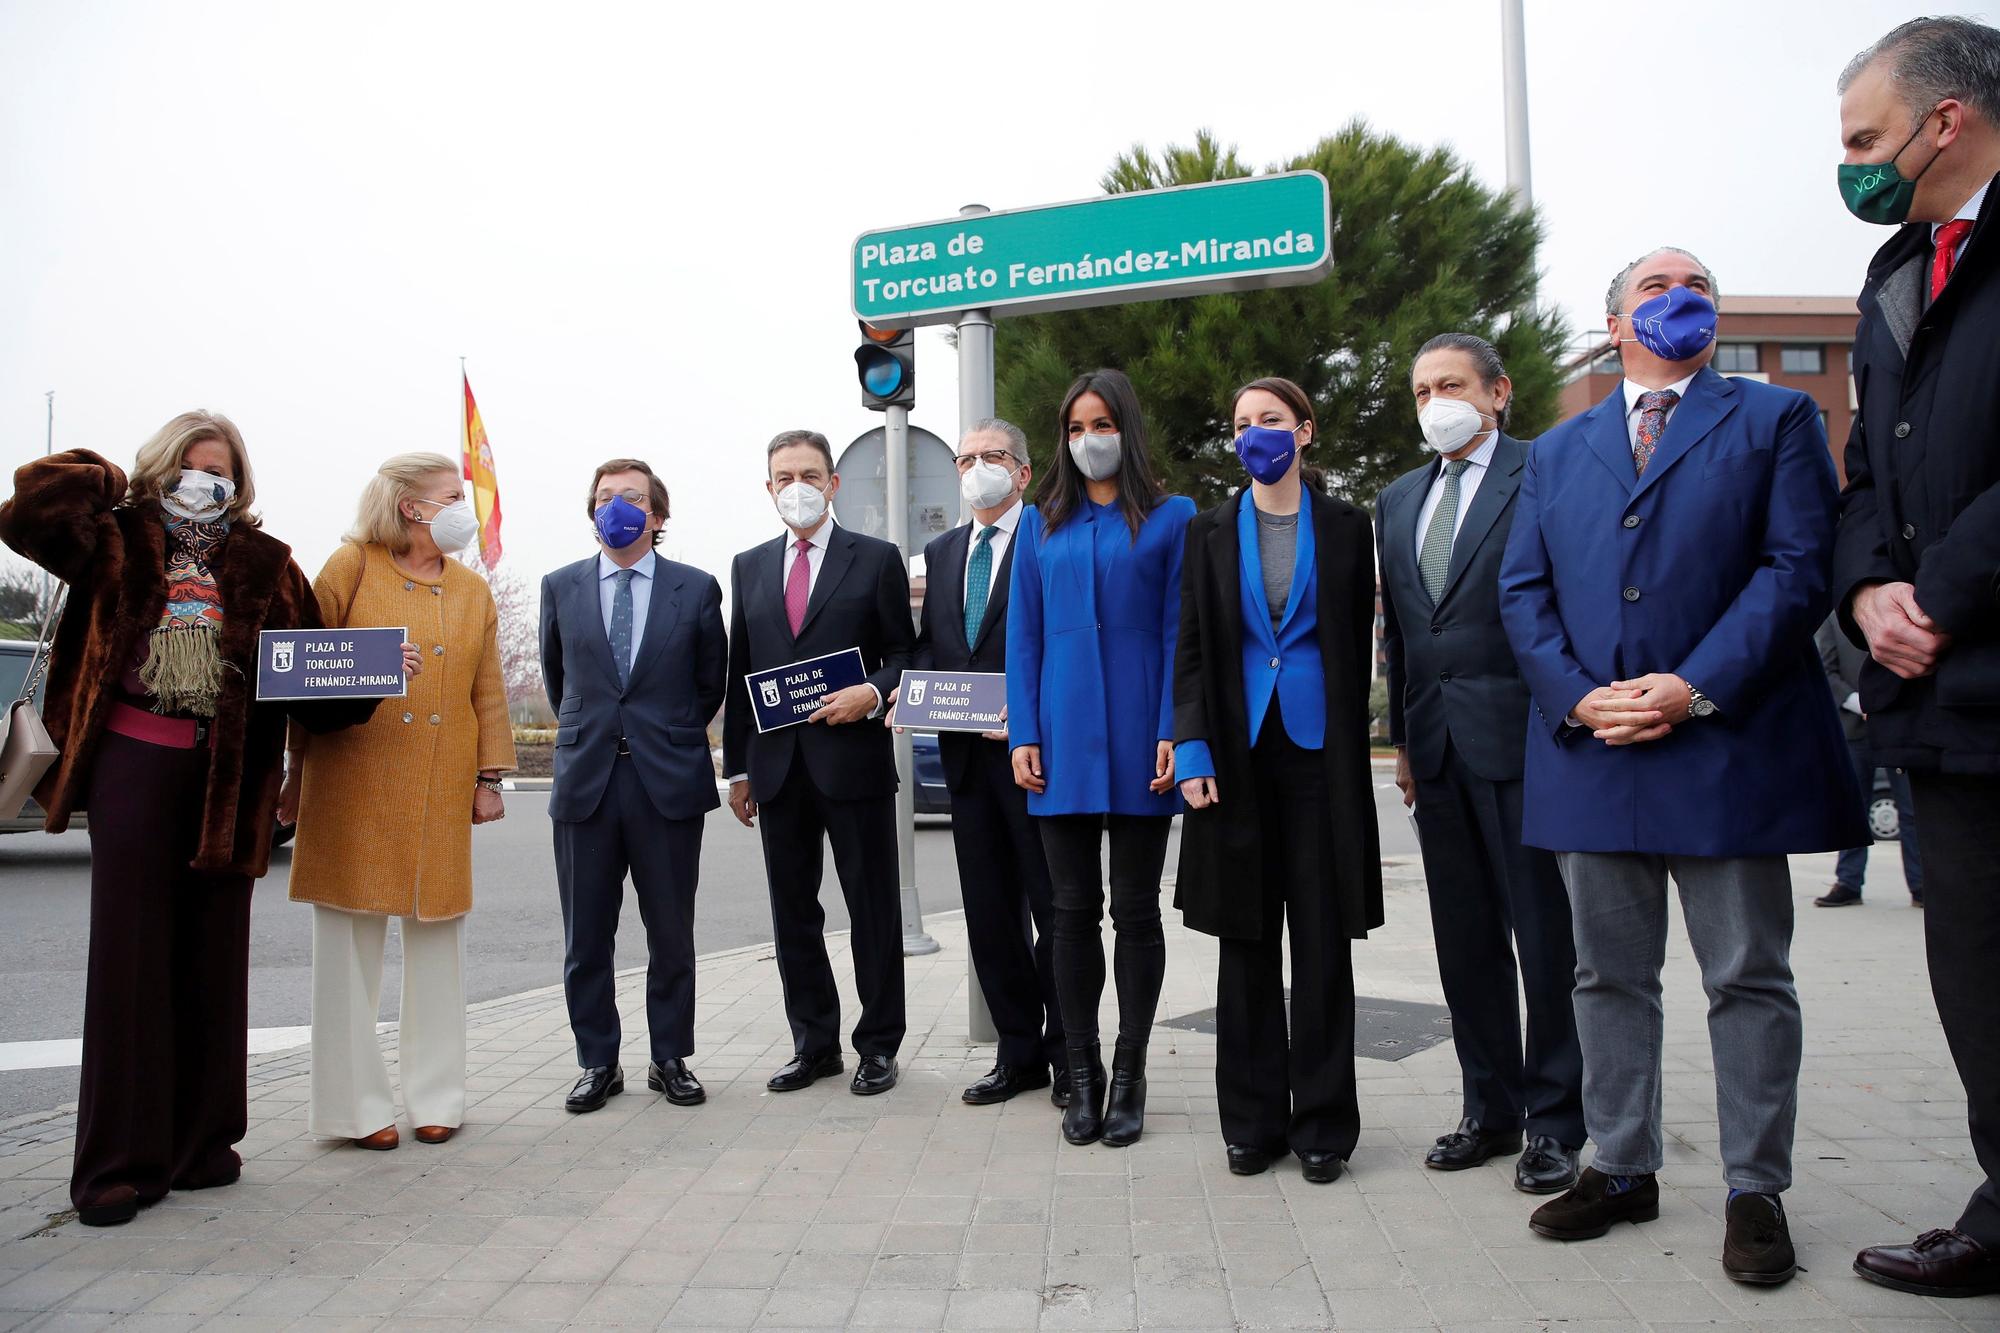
(67, 516)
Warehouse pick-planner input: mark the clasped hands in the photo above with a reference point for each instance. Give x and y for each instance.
(1632, 712)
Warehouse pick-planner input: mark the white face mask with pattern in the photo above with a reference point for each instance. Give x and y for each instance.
(199, 497)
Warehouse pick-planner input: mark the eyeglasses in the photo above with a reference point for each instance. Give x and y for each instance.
(992, 457)
(639, 498)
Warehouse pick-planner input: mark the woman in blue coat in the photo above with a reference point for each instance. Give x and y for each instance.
(1093, 614)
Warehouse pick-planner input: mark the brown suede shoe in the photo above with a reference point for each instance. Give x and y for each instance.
(1589, 1209)
(435, 1133)
(382, 1140)
(1940, 1263)
(1757, 1244)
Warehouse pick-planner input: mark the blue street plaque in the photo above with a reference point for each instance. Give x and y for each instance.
(331, 664)
(787, 695)
(951, 700)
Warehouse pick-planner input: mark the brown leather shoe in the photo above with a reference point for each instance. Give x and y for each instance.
(382, 1140)
(1940, 1263)
(115, 1207)
(435, 1133)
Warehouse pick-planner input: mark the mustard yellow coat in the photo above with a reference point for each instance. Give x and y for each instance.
(385, 809)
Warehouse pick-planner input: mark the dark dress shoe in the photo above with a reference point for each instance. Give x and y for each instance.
(1590, 1209)
(804, 1071)
(1546, 1167)
(1248, 1161)
(382, 1140)
(873, 1074)
(1469, 1145)
(1125, 1101)
(115, 1207)
(674, 1078)
(1840, 895)
(596, 1087)
(1083, 1118)
(1059, 1086)
(1940, 1263)
(1757, 1247)
(435, 1134)
(1003, 1082)
(1320, 1168)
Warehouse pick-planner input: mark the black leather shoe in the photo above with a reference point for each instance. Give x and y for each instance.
(1003, 1082)
(873, 1074)
(1125, 1103)
(1320, 1168)
(113, 1208)
(596, 1087)
(1469, 1145)
(804, 1071)
(1940, 1263)
(1757, 1247)
(674, 1078)
(1840, 895)
(1589, 1209)
(1083, 1118)
(1059, 1086)
(1546, 1167)
(1248, 1161)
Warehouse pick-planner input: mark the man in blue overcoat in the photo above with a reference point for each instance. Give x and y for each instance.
(1668, 564)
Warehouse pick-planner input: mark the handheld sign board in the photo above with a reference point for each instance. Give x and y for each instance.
(331, 664)
(951, 700)
(787, 695)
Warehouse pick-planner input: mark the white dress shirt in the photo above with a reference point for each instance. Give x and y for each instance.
(1468, 486)
(1632, 414)
(642, 594)
(1970, 212)
(998, 542)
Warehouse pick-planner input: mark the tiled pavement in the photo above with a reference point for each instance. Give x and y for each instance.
(820, 1209)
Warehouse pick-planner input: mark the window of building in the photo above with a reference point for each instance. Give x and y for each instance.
(1736, 358)
(1810, 360)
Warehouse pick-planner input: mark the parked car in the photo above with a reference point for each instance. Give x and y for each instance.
(933, 798)
(16, 656)
(1883, 821)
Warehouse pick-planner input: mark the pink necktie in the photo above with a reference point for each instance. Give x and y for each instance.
(798, 585)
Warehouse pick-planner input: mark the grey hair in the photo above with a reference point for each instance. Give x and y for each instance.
(1485, 359)
(1932, 59)
(1614, 297)
(785, 439)
(1017, 439)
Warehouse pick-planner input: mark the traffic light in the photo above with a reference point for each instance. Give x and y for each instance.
(887, 362)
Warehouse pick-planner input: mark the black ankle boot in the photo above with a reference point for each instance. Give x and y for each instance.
(1083, 1118)
(1125, 1115)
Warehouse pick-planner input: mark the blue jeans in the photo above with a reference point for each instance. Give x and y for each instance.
(1852, 868)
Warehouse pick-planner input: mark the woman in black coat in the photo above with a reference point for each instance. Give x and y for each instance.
(1271, 731)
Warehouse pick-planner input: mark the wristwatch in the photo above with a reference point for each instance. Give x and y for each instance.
(1699, 704)
(491, 784)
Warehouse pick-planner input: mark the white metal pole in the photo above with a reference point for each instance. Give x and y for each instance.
(896, 485)
(1514, 68)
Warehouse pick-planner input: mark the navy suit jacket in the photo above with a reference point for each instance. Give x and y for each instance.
(662, 711)
(941, 642)
(1714, 566)
(1452, 674)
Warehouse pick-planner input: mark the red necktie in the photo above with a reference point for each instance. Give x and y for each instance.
(1946, 255)
(798, 585)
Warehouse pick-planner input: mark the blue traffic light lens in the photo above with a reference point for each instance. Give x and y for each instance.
(881, 373)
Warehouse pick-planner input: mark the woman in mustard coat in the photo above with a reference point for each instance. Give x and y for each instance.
(385, 812)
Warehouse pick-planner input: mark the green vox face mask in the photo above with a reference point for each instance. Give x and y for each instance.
(1877, 192)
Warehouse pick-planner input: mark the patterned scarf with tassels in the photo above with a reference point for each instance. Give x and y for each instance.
(183, 669)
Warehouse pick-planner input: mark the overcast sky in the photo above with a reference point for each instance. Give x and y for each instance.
(634, 221)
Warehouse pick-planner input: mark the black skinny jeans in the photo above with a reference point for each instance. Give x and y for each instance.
(1139, 964)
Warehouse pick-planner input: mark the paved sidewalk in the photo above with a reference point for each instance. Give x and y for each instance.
(911, 1210)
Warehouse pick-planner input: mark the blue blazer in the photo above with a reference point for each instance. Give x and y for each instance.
(1281, 663)
(1713, 566)
(1092, 619)
(663, 708)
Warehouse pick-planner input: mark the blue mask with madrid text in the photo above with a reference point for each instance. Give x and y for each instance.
(1267, 452)
(619, 522)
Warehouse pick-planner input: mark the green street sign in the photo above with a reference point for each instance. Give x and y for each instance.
(1261, 231)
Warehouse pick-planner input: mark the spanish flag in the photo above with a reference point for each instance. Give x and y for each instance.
(485, 480)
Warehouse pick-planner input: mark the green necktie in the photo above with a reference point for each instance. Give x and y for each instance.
(1434, 559)
(978, 574)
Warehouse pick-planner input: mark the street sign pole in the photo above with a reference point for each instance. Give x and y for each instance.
(896, 441)
(975, 404)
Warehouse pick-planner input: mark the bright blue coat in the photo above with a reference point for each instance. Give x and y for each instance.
(1713, 566)
(1092, 619)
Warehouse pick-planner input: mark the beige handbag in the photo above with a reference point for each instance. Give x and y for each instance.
(26, 752)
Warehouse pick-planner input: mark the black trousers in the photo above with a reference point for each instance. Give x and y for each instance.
(166, 1006)
(1277, 1089)
(1139, 962)
(1956, 818)
(795, 823)
(1003, 878)
(1492, 897)
(627, 835)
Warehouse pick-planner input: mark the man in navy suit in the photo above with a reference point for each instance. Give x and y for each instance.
(821, 589)
(1457, 714)
(1002, 873)
(633, 660)
(1668, 564)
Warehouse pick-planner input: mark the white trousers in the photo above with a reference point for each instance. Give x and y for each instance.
(351, 1094)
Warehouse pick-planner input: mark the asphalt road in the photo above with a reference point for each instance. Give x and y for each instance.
(513, 937)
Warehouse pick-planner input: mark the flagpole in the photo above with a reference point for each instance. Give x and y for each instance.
(464, 466)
